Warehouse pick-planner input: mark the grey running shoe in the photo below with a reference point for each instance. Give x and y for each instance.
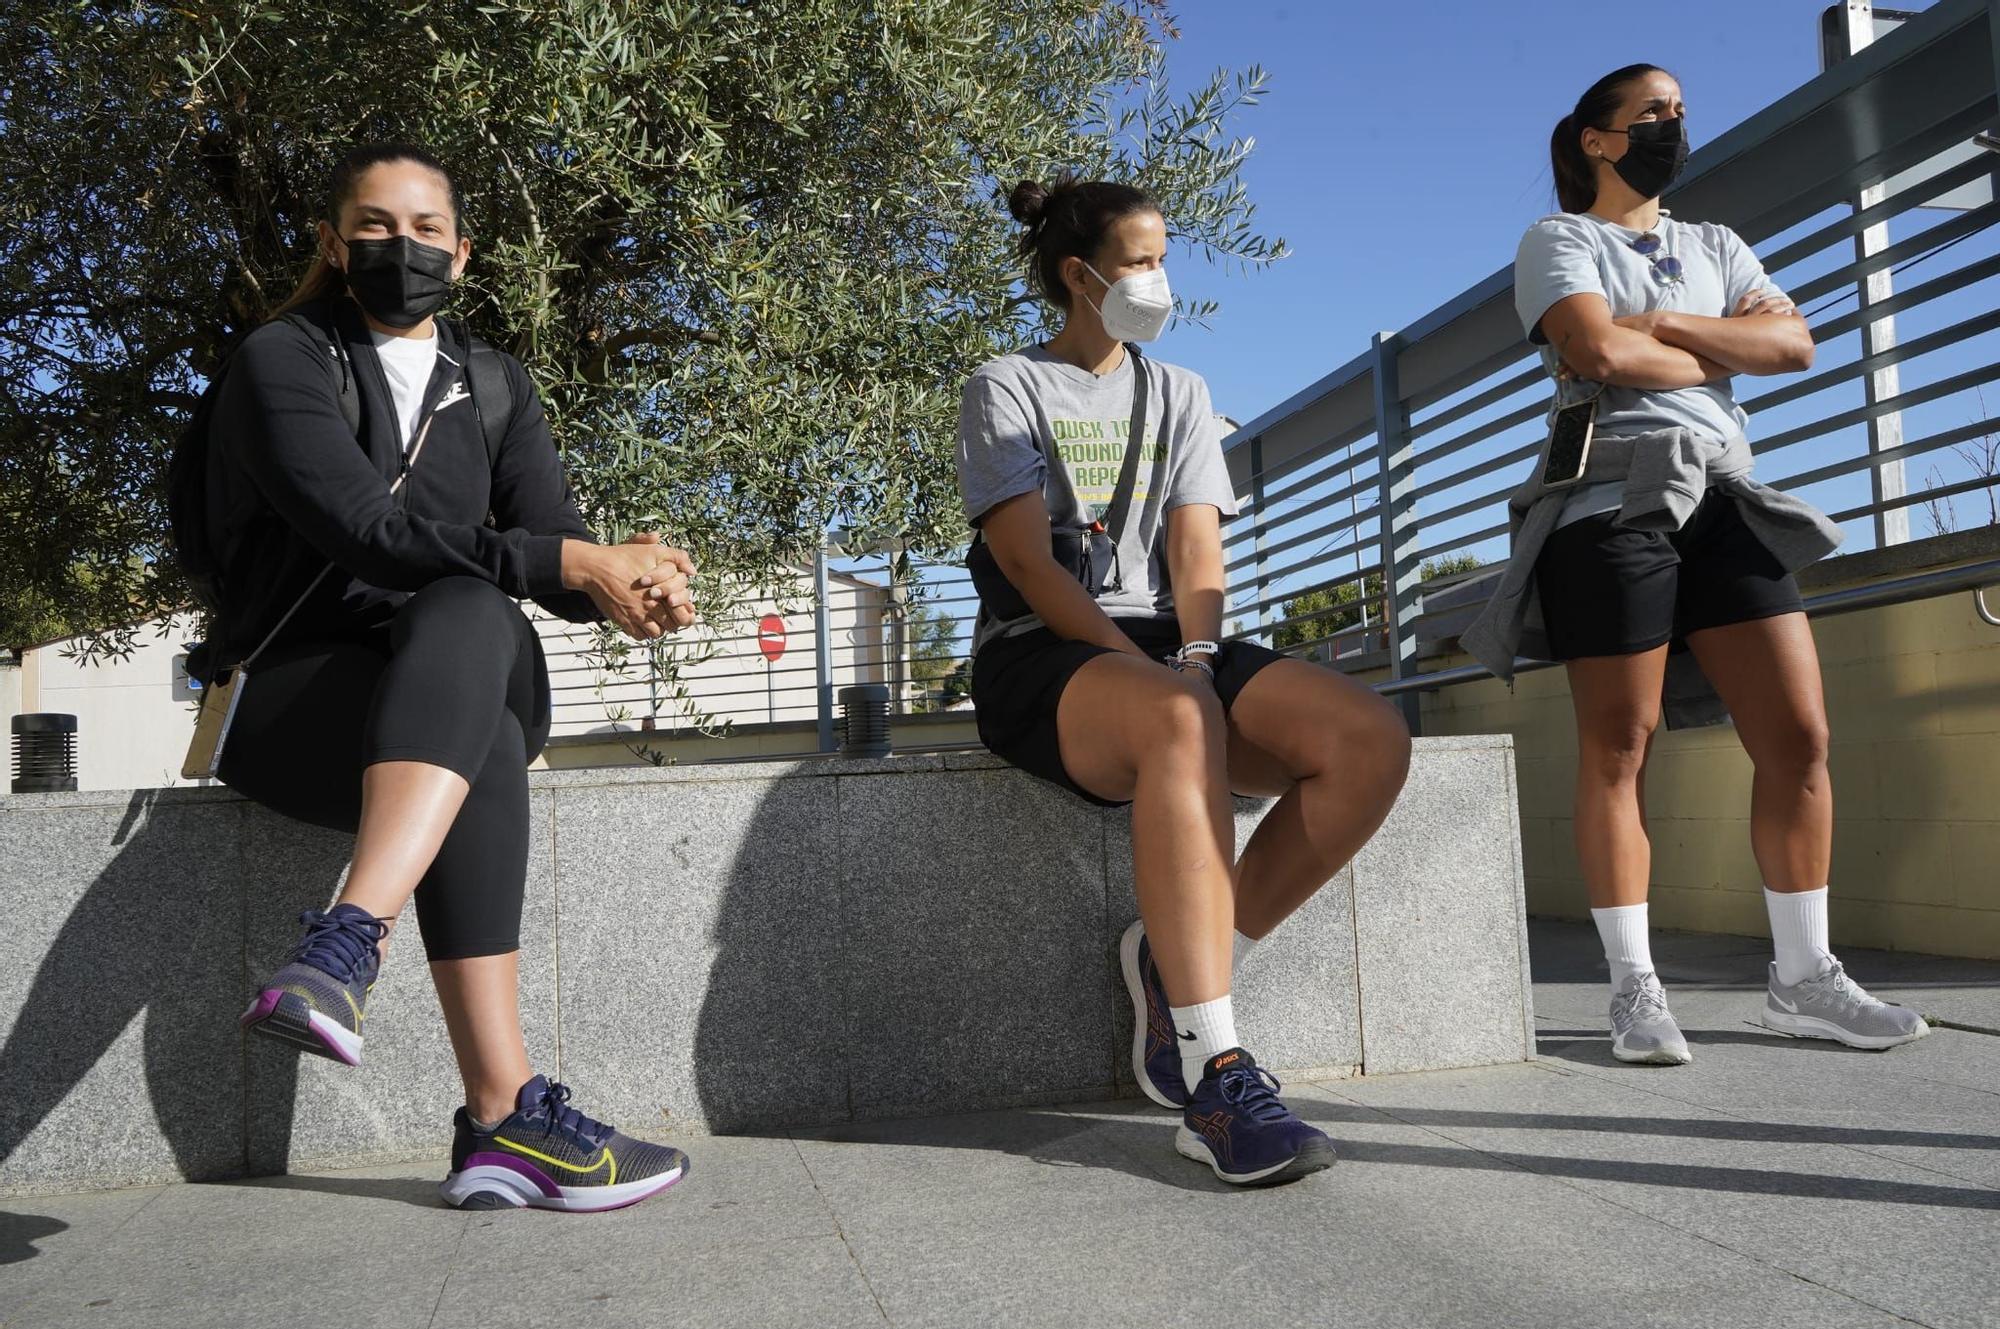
(1832, 1005)
(317, 1001)
(1642, 1029)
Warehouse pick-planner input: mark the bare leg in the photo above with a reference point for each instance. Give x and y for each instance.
(406, 809)
(1131, 729)
(1617, 701)
(1335, 755)
(482, 1012)
(1767, 671)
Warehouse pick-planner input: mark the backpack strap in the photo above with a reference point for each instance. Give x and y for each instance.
(1135, 436)
(492, 394)
(1128, 475)
(345, 389)
(486, 381)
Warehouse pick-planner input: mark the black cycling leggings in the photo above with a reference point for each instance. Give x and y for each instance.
(457, 679)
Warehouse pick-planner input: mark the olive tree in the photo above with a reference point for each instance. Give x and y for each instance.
(747, 249)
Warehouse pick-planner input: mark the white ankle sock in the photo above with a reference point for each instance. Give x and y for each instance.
(1204, 1031)
(1798, 932)
(1628, 947)
(1242, 947)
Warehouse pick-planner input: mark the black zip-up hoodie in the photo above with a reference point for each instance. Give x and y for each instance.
(291, 488)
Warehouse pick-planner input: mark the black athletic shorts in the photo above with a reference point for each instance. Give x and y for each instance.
(1017, 683)
(1609, 590)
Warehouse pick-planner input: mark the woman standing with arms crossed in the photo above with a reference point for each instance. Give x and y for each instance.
(1662, 543)
(393, 688)
(1121, 694)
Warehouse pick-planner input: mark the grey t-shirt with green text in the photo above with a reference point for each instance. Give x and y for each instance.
(1023, 408)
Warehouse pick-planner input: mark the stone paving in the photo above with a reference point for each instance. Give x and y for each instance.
(1772, 1183)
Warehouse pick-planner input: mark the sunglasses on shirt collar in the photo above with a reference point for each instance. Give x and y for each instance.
(1667, 269)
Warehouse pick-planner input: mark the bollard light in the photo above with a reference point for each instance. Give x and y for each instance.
(864, 711)
(44, 753)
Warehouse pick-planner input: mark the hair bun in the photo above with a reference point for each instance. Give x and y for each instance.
(1028, 201)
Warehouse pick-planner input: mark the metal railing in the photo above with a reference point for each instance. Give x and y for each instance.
(1973, 577)
(1405, 455)
(1356, 486)
(779, 659)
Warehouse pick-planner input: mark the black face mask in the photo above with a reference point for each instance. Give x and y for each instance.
(1657, 153)
(400, 282)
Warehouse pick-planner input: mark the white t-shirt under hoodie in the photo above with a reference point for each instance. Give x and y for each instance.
(407, 363)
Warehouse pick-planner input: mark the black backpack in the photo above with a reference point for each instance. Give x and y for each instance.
(187, 468)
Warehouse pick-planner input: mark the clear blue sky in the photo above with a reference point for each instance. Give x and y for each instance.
(1403, 148)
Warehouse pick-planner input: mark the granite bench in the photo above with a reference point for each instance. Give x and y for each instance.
(732, 947)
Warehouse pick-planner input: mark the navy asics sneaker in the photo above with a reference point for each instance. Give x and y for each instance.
(1156, 1053)
(548, 1155)
(1236, 1125)
(317, 1001)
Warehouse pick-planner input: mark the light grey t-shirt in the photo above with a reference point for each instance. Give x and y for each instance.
(1575, 253)
(1022, 409)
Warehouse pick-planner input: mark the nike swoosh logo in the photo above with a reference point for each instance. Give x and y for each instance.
(455, 394)
(1786, 1004)
(604, 1160)
(1189, 1038)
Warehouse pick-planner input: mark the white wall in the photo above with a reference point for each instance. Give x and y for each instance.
(10, 691)
(10, 706)
(131, 731)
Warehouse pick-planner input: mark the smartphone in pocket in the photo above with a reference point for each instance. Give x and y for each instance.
(1568, 450)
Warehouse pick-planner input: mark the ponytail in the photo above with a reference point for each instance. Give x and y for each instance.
(322, 281)
(1575, 173)
(1576, 180)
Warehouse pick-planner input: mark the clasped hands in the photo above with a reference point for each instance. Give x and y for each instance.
(641, 585)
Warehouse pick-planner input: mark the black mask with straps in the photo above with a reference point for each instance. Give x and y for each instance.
(1657, 154)
(400, 282)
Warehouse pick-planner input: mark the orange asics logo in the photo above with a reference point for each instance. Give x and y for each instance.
(1214, 1128)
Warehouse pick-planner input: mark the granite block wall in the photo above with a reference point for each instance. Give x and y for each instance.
(731, 947)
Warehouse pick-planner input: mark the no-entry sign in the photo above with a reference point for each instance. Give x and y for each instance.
(771, 637)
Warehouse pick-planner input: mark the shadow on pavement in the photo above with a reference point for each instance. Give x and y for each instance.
(1592, 1047)
(1108, 1136)
(1114, 1136)
(406, 1190)
(1747, 1181)
(20, 1232)
(1693, 1128)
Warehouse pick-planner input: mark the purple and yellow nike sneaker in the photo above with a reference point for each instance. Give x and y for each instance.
(1156, 1055)
(1235, 1124)
(547, 1155)
(317, 1001)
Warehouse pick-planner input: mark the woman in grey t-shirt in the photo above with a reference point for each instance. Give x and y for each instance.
(1125, 696)
(1656, 315)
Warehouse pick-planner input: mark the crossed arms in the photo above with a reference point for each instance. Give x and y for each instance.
(1665, 350)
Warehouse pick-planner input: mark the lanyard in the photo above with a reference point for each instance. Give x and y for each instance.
(407, 461)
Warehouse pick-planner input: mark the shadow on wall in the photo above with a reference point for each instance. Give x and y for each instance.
(158, 934)
(769, 1040)
(890, 941)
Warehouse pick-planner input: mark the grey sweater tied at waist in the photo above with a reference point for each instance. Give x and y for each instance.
(1665, 474)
